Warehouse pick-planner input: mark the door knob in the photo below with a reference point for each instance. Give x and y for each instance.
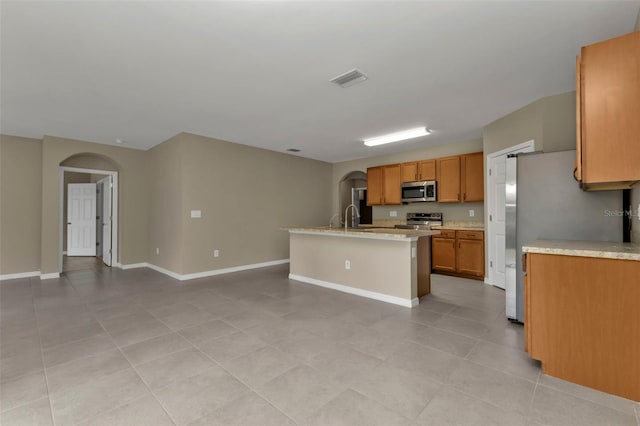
(68, 223)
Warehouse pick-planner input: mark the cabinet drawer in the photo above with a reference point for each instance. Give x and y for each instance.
(469, 235)
(446, 233)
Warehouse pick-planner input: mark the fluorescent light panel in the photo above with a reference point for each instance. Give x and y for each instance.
(398, 136)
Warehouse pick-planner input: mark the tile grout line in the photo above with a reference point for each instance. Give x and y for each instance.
(44, 370)
(247, 384)
(533, 397)
(92, 314)
(139, 376)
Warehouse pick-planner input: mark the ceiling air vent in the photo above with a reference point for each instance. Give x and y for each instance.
(349, 78)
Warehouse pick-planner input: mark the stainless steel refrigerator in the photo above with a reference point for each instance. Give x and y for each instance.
(543, 201)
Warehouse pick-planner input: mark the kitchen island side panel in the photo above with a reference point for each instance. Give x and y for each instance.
(381, 266)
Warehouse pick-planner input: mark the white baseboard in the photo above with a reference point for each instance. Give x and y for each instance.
(408, 303)
(132, 265)
(204, 274)
(50, 276)
(486, 281)
(19, 275)
(166, 272)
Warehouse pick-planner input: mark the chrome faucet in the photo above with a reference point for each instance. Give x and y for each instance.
(331, 220)
(355, 210)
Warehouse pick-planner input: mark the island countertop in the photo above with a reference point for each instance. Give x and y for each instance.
(601, 249)
(370, 233)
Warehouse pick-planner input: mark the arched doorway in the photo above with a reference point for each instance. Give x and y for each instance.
(88, 212)
(353, 189)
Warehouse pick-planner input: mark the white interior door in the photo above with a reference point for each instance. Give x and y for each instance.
(497, 217)
(496, 208)
(81, 219)
(107, 216)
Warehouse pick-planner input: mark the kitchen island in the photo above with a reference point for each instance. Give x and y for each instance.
(391, 265)
(581, 312)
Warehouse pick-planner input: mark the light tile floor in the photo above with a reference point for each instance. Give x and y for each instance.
(114, 347)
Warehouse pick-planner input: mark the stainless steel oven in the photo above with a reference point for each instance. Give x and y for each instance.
(415, 192)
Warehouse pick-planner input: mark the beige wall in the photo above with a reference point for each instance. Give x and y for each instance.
(549, 121)
(457, 211)
(134, 182)
(166, 222)
(245, 194)
(20, 201)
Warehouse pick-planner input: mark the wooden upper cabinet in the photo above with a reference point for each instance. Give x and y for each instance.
(427, 170)
(472, 177)
(392, 184)
(409, 172)
(448, 189)
(418, 171)
(383, 185)
(609, 105)
(375, 186)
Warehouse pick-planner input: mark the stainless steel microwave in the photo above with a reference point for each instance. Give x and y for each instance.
(415, 192)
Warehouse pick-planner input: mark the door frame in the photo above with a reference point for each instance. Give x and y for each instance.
(528, 146)
(114, 208)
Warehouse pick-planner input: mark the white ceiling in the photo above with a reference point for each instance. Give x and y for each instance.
(257, 72)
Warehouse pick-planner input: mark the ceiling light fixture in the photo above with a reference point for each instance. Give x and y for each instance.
(398, 136)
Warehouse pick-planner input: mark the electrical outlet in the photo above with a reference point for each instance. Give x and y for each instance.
(347, 264)
(216, 253)
(472, 213)
(196, 214)
(393, 213)
(157, 250)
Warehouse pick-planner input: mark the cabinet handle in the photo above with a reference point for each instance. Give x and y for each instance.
(458, 196)
(464, 196)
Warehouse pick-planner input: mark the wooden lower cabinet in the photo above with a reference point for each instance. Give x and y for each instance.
(443, 256)
(582, 320)
(459, 253)
(470, 257)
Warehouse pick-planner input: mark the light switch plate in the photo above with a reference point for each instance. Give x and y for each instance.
(393, 213)
(472, 213)
(196, 213)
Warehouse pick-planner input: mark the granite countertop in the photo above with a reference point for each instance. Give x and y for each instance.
(462, 226)
(602, 249)
(366, 232)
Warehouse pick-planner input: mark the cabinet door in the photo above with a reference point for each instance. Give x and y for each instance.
(472, 177)
(470, 257)
(392, 184)
(611, 107)
(427, 170)
(409, 172)
(443, 254)
(448, 169)
(375, 186)
(577, 172)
